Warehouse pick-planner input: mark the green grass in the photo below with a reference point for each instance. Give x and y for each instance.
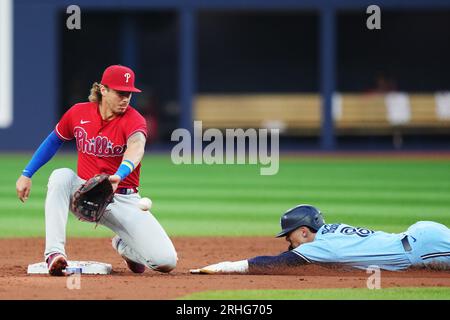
(235, 200)
(326, 294)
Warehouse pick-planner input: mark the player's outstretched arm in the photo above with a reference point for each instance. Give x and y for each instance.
(260, 264)
(131, 158)
(135, 148)
(43, 154)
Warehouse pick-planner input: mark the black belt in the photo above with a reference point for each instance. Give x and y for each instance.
(406, 244)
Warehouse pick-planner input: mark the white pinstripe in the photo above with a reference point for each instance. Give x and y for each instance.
(59, 133)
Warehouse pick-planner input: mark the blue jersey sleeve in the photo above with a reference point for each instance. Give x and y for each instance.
(43, 154)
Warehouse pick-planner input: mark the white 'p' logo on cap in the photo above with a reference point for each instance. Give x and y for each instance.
(127, 76)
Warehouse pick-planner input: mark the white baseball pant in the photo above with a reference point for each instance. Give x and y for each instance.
(144, 240)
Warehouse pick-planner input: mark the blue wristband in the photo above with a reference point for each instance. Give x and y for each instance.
(125, 168)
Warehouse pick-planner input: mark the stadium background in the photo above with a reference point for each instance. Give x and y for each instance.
(186, 50)
(261, 64)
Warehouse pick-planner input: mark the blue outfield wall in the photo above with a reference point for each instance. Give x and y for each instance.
(36, 55)
(35, 61)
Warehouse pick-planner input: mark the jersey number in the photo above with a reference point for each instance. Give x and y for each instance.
(358, 231)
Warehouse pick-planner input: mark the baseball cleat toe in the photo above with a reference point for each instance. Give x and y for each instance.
(56, 263)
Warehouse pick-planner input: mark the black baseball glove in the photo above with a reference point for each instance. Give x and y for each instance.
(90, 200)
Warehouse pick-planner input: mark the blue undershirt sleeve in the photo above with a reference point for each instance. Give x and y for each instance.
(43, 154)
(269, 263)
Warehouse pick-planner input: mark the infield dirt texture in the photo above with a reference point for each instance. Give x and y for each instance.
(218, 213)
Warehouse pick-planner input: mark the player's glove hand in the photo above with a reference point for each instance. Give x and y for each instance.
(90, 200)
(223, 267)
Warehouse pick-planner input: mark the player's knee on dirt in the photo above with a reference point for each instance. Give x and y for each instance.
(166, 263)
(164, 268)
(61, 178)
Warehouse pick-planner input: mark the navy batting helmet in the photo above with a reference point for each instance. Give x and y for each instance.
(301, 215)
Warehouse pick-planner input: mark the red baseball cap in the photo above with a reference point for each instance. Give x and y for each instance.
(119, 78)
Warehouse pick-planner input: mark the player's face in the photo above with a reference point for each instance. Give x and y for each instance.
(298, 237)
(117, 101)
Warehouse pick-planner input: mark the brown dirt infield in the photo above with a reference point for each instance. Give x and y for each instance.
(192, 253)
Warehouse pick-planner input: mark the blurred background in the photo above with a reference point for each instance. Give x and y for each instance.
(310, 68)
